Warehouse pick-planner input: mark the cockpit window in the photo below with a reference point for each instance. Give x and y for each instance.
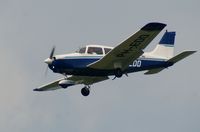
(107, 50)
(95, 50)
(82, 50)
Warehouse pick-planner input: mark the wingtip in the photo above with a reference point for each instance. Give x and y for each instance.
(154, 26)
(37, 89)
(194, 51)
(191, 51)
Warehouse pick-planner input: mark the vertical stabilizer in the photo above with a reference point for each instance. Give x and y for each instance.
(165, 48)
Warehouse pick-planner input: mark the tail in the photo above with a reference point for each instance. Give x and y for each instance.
(165, 48)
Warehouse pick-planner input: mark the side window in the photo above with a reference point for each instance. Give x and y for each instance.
(95, 50)
(107, 50)
(82, 50)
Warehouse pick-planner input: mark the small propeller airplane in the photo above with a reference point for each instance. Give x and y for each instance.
(95, 63)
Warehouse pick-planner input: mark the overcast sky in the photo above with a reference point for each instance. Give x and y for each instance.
(166, 102)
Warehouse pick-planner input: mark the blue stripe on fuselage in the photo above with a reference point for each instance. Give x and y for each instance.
(79, 66)
(73, 63)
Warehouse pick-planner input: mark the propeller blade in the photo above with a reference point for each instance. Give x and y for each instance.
(52, 52)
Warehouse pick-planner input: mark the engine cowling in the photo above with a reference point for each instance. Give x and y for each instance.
(66, 83)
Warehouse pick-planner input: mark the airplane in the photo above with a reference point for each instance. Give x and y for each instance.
(95, 63)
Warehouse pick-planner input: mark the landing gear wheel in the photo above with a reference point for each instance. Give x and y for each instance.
(85, 91)
(63, 86)
(118, 73)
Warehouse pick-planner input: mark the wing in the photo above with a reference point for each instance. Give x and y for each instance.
(86, 80)
(129, 50)
(50, 86)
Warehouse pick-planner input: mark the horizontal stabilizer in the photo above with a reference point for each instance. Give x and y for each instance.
(154, 71)
(172, 60)
(181, 56)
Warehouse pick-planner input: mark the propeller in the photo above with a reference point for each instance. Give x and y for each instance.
(50, 59)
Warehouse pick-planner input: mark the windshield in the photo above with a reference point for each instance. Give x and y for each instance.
(82, 50)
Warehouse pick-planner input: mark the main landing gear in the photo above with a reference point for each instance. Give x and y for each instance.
(118, 73)
(85, 91)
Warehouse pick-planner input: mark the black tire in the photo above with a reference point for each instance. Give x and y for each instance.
(118, 73)
(85, 91)
(64, 87)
